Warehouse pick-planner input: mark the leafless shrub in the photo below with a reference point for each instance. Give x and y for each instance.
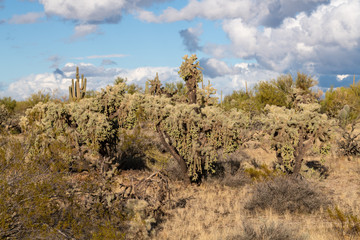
(286, 194)
(267, 231)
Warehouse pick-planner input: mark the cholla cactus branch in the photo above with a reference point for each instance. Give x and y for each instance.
(190, 71)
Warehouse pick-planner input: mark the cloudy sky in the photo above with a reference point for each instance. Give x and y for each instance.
(237, 41)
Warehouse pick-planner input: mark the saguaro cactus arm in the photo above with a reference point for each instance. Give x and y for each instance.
(77, 92)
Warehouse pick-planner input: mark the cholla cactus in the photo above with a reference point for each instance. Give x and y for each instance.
(205, 95)
(155, 86)
(75, 91)
(190, 71)
(4, 114)
(295, 132)
(193, 136)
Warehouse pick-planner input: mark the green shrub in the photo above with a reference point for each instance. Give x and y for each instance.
(240, 100)
(267, 93)
(261, 172)
(9, 103)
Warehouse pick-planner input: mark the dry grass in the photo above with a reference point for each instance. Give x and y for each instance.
(214, 211)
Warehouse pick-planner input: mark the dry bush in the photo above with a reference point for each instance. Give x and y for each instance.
(41, 199)
(345, 224)
(229, 170)
(267, 231)
(284, 194)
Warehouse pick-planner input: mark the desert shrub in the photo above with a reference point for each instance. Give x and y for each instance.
(267, 93)
(304, 82)
(261, 172)
(267, 231)
(9, 103)
(345, 224)
(40, 199)
(130, 88)
(35, 98)
(229, 170)
(337, 99)
(240, 100)
(284, 194)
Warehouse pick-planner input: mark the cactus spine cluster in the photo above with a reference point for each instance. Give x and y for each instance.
(75, 91)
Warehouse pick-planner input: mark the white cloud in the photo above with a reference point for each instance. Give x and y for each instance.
(191, 38)
(226, 79)
(342, 77)
(97, 78)
(93, 11)
(325, 41)
(31, 17)
(84, 30)
(264, 12)
(313, 36)
(229, 78)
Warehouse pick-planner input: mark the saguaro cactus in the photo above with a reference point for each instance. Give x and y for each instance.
(75, 91)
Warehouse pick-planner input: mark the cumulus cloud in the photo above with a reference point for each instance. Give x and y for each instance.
(98, 77)
(264, 12)
(28, 18)
(313, 36)
(222, 76)
(190, 38)
(341, 77)
(93, 11)
(84, 30)
(90, 13)
(325, 41)
(228, 78)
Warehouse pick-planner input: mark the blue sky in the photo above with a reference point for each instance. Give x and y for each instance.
(236, 41)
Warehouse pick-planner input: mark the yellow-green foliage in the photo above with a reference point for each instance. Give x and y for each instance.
(205, 96)
(240, 100)
(295, 131)
(336, 99)
(261, 173)
(270, 93)
(39, 199)
(198, 135)
(190, 71)
(9, 103)
(346, 224)
(282, 92)
(87, 122)
(155, 85)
